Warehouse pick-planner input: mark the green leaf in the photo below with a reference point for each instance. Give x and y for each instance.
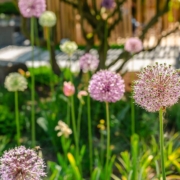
(42, 122)
(96, 174)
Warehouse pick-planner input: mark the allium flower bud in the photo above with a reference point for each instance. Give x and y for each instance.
(64, 129)
(68, 88)
(15, 82)
(80, 96)
(133, 45)
(106, 86)
(108, 4)
(21, 164)
(32, 8)
(158, 87)
(88, 62)
(68, 47)
(47, 19)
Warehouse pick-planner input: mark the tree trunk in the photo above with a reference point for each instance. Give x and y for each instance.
(55, 66)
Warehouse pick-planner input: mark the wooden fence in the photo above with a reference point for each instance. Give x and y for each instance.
(68, 24)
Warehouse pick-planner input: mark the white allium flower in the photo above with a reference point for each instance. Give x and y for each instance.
(48, 19)
(63, 129)
(15, 82)
(69, 47)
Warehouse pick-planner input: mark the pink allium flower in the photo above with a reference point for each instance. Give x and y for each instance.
(68, 88)
(88, 62)
(106, 86)
(158, 87)
(21, 164)
(133, 45)
(108, 4)
(32, 8)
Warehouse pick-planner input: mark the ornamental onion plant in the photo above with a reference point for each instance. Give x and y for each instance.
(157, 88)
(32, 9)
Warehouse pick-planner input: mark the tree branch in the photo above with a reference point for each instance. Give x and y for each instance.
(117, 10)
(154, 20)
(129, 56)
(70, 2)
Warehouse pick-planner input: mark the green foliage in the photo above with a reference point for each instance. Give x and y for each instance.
(8, 8)
(147, 166)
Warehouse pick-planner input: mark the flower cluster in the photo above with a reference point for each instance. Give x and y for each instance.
(69, 47)
(32, 8)
(21, 164)
(15, 82)
(133, 45)
(68, 88)
(158, 87)
(106, 86)
(108, 4)
(88, 62)
(101, 125)
(63, 129)
(47, 19)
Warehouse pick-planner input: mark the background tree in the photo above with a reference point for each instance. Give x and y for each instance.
(102, 27)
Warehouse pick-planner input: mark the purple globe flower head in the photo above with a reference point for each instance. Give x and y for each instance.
(133, 45)
(21, 164)
(32, 8)
(108, 4)
(106, 86)
(88, 62)
(158, 87)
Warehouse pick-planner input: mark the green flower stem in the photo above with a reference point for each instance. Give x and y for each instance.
(64, 147)
(17, 118)
(68, 112)
(132, 102)
(79, 120)
(161, 134)
(90, 129)
(90, 133)
(108, 135)
(70, 74)
(49, 49)
(38, 44)
(74, 128)
(132, 117)
(33, 87)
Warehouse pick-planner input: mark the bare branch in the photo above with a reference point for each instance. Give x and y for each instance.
(70, 2)
(154, 20)
(129, 56)
(94, 5)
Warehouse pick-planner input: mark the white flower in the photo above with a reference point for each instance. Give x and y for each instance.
(69, 47)
(47, 19)
(63, 129)
(15, 82)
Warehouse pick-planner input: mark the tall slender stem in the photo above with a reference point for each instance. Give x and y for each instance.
(49, 49)
(108, 135)
(79, 120)
(90, 133)
(68, 111)
(70, 74)
(74, 127)
(132, 102)
(33, 87)
(161, 134)
(132, 117)
(17, 118)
